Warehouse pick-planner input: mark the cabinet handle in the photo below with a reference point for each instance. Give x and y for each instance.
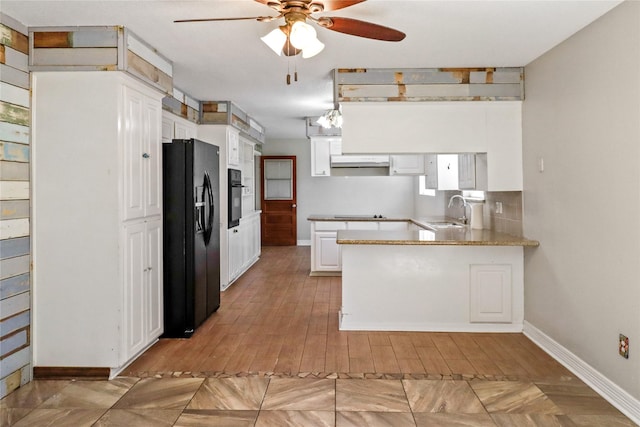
(146, 155)
(235, 231)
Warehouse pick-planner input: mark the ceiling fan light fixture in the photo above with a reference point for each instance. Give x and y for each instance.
(302, 34)
(275, 40)
(312, 49)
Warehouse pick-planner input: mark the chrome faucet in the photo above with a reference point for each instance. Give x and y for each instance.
(464, 207)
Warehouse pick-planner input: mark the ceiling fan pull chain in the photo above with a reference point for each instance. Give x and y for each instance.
(288, 71)
(295, 70)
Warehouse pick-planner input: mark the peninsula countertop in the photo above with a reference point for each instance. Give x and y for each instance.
(423, 235)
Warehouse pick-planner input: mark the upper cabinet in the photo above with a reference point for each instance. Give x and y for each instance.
(406, 164)
(143, 158)
(175, 127)
(233, 147)
(322, 148)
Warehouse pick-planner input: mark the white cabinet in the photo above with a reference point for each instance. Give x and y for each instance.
(175, 127)
(490, 293)
(467, 171)
(322, 148)
(247, 154)
(406, 164)
(97, 254)
(143, 295)
(142, 160)
(431, 171)
(327, 252)
(233, 147)
(244, 245)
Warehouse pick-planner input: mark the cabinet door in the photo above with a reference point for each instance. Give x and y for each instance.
(431, 171)
(233, 147)
(320, 157)
(153, 285)
(328, 256)
(167, 129)
(152, 157)
(235, 252)
(407, 164)
(467, 171)
(135, 269)
(447, 171)
(490, 293)
(134, 150)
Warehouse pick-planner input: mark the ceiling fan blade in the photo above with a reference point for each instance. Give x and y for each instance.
(330, 5)
(359, 28)
(256, 18)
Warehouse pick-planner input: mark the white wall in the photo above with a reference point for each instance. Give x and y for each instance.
(582, 115)
(383, 195)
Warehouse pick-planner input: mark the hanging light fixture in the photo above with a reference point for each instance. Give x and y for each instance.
(275, 40)
(296, 33)
(331, 119)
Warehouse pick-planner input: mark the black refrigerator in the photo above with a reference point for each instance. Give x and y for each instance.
(191, 227)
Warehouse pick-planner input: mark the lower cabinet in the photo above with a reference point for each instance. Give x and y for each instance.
(142, 285)
(327, 256)
(244, 245)
(490, 293)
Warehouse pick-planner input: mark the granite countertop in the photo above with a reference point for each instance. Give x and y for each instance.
(450, 236)
(343, 218)
(463, 235)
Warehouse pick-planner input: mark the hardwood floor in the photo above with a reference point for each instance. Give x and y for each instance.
(276, 319)
(273, 356)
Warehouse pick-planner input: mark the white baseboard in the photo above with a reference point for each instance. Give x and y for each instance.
(610, 391)
(304, 242)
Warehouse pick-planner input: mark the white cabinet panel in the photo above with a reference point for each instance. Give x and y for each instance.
(406, 164)
(244, 245)
(362, 225)
(467, 171)
(233, 147)
(490, 293)
(135, 270)
(394, 225)
(320, 156)
(327, 252)
(142, 162)
(154, 287)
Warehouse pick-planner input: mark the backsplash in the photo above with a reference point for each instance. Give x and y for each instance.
(509, 221)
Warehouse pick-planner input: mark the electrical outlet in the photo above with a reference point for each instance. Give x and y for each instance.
(623, 346)
(498, 207)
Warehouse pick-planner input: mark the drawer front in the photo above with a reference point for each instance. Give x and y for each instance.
(330, 225)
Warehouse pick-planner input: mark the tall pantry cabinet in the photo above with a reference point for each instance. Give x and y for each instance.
(97, 219)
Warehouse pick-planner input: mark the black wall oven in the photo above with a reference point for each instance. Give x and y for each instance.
(235, 197)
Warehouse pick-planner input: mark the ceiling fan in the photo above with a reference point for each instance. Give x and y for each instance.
(296, 36)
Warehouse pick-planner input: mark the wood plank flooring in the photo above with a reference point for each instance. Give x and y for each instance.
(276, 319)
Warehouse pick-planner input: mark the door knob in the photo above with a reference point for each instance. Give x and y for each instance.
(294, 205)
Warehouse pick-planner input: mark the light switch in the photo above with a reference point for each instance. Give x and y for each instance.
(498, 207)
(540, 164)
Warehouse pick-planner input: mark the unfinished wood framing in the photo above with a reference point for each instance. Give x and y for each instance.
(182, 105)
(99, 48)
(429, 84)
(227, 113)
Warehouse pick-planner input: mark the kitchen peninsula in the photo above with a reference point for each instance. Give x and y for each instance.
(416, 277)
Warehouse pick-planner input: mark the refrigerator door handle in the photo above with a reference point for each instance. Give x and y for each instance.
(208, 190)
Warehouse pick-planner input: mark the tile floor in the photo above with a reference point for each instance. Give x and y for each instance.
(308, 402)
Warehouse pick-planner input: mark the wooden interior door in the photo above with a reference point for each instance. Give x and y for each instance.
(278, 200)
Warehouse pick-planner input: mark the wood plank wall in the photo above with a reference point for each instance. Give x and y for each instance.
(15, 252)
(428, 84)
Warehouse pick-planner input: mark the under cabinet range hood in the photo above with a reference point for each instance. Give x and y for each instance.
(359, 161)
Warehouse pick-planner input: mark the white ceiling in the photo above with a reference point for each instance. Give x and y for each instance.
(227, 60)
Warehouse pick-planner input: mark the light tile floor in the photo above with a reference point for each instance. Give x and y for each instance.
(265, 402)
